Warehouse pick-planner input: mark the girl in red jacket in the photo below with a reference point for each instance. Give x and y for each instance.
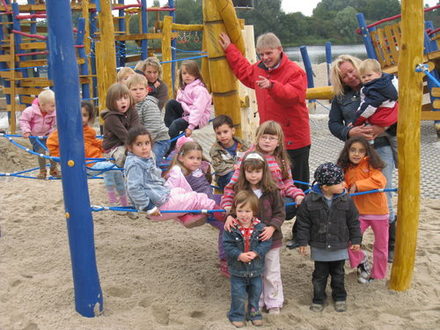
(362, 166)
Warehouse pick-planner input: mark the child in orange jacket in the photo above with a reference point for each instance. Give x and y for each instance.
(362, 167)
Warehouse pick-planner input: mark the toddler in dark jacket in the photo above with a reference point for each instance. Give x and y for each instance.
(245, 252)
(328, 222)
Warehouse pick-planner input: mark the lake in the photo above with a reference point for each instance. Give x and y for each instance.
(317, 53)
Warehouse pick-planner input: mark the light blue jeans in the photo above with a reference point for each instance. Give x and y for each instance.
(160, 148)
(112, 178)
(386, 154)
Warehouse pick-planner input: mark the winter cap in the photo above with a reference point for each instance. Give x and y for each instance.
(328, 174)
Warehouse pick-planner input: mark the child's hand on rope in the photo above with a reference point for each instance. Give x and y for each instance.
(298, 200)
(26, 135)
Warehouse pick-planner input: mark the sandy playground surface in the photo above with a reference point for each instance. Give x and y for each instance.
(163, 276)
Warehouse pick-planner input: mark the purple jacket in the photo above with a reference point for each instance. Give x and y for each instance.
(32, 121)
(196, 103)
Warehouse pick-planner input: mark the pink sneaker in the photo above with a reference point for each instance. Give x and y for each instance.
(191, 220)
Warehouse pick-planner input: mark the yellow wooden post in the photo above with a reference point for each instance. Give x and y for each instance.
(166, 53)
(222, 81)
(105, 52)
(408, 140)
(12, 123)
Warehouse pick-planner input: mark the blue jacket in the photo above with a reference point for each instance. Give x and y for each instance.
(326, 227)
(145, 185)
(233, 243)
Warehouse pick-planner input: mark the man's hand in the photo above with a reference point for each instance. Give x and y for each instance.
(224, 40)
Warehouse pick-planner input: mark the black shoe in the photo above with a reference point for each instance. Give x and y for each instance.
(390, 256)
(292, 244)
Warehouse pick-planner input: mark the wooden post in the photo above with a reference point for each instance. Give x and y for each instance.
(105, 52)
(408, 140)
(166, 53)
(216, 14)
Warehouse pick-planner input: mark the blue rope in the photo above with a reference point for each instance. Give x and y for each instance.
(323, 105)
(38, 139)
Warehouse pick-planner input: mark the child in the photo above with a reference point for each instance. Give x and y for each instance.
(192, 106)
(113, 180)
(226, 151)
(378, 96)
(152, 70)
(270, 143)
(39, 120)
(328, 221)
(245, 251)
(124, 74)
(146, 187)
(149, 115)
(362, 166)
(255, 177)
(119, 117)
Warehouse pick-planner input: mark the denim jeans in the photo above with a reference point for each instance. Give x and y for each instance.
(223, 180)
(36, 147)
(245, 289)
(319, 279)
(160, 148)
(386, 154)
(113, 178)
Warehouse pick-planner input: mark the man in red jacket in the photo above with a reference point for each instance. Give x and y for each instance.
(280, 86)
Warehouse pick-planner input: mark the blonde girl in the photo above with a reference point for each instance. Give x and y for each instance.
(362, 167)
(255, 177)
(270, 143)
(192, 106)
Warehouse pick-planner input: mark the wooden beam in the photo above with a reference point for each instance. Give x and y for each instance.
(408, 142)
(166, 53)
(430, 115)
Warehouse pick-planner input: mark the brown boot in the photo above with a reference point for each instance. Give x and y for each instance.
(54, 172)
(42, 174)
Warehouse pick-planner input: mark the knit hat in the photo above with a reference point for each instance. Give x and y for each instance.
(328, 174)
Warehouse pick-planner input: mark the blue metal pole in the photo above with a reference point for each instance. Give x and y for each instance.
(93, 30)
(144, 53)
(121, 49)
(366, 36)
(309, 70)
(33, 30)
(328, 59)
(88, 294)
(429, 43)
(173, 45)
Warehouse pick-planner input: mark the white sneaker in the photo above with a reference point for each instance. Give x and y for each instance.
(363, 271)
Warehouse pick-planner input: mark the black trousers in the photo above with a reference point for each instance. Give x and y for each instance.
(174, 121)
(300, 171)
(319, 279)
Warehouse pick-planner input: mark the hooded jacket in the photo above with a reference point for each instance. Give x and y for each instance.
(32, 121)
(116, 126)
(284, 102)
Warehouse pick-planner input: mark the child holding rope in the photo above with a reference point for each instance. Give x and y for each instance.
(255, 178)
(36, 122)
(113, 179)
(192, 107)
(362, 166)
(147, 189)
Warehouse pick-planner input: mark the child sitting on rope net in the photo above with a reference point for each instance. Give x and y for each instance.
(147, 189)
(113, 178)
(36, 122)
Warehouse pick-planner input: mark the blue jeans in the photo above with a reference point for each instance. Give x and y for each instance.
(245, 289)
(160, 148)
(37, 147)
(113, 178)
(223, 180)
(386, 154)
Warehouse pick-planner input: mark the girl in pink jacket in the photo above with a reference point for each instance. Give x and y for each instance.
(193, 104)
(36, 122)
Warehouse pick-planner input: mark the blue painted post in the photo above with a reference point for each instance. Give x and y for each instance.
(173, 45)
(121, 49)
(429, 43)
(17, 38)
(93, 30)
(33, 30)
(88, 294)
(366, 36)
(309, 71)
(84, 68)
(144, 52)
(4, 65)
(328, 59)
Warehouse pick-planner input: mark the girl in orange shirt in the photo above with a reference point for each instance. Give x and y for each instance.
(362, 167)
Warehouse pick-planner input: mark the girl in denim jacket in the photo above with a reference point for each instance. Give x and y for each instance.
(147, 189)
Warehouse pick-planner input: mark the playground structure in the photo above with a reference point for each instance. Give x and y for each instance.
(219, 16)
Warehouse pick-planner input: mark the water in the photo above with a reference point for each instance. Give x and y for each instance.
(317, 53)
